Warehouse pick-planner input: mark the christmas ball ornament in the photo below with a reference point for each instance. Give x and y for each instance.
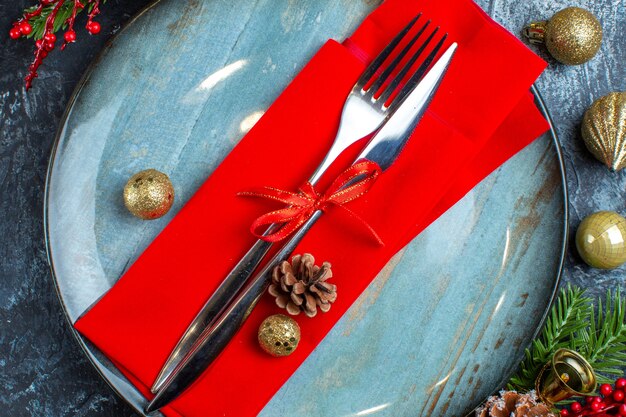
(149, 194)
(572, 36)
(601, 240)
(279, 335)
(604, 130)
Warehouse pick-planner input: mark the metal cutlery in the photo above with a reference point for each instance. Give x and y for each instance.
(383, 149)
(367, 107)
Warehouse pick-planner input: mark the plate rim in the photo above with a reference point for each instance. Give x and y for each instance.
(82, 343)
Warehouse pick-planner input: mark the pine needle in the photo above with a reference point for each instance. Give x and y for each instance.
(605, 348)
(39, 22)
(566, 319)
(598, 334)
(60, 22)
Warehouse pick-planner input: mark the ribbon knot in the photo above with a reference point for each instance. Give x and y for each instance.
(351, 184)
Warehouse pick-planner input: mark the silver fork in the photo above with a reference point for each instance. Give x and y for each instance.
(383, 149)
(368, 105)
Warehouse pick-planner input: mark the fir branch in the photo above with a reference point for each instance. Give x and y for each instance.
(38, 22)
(565, 319)
(42, 21)
(605, 344)
(573, 323)
(37, 18)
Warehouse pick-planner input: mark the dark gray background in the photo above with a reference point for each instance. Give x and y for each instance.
(42, 370)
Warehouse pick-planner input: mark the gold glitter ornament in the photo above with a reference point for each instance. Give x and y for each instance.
(279, 335)
(604, 130)
(149, 194)
(601, 240)
(572, 36)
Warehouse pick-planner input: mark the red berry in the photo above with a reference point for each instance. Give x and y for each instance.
(39, 43)
(606, 389)
(15, 33)
(618, 395)
(576, 407)
(49, 46)
(70, 36)
(620, 383)
(93, 27)
(25, 28)
(589, 400)
(622, 410)
(50, 37)
(565, 412)
(597, 406)
(43, 53)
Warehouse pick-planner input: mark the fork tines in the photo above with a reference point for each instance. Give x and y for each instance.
(375, 83)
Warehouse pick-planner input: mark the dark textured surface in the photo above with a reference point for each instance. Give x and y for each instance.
(42, 370)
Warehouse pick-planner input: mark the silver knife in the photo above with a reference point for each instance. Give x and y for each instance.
(383, 149)
(364, 113)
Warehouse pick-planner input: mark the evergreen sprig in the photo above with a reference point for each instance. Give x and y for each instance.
(38, 22)
(42, 21)
(573, 323)
(603, 344)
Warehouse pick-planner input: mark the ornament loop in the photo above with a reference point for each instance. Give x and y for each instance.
(535, 32)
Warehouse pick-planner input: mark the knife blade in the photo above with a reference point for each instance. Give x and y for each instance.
(384, 148)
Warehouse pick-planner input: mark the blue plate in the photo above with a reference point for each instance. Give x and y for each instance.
(442, 326)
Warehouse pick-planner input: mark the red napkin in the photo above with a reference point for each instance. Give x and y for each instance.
(481, 116)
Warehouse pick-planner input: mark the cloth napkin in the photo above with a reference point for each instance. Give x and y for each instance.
(482, 114)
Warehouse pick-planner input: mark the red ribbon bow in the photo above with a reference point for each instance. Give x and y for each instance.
(308, 200)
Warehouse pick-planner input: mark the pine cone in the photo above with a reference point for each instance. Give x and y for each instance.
(512, 404)
(301, 286)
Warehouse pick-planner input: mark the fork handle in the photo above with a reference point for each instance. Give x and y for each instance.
(234, 281)
(239, 275)
(215, 305)
(248, 298)
(230, 286)
(232, 318)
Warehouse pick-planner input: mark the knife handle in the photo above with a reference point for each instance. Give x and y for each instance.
(215, 338)
(215, 305)
(234, 281)
(238, 311)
